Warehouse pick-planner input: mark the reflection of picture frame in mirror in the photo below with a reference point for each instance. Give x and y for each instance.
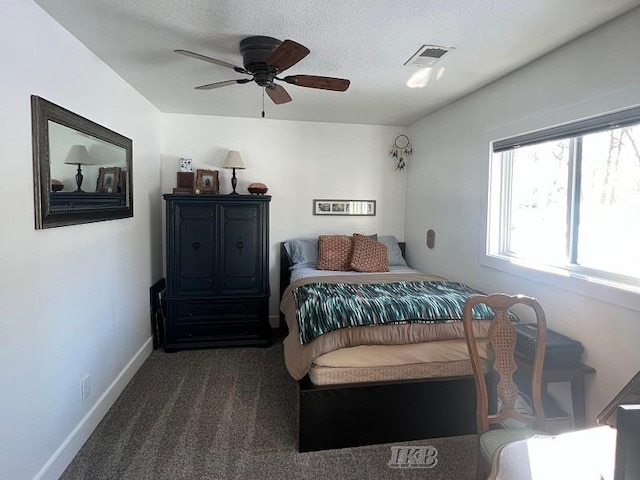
(630, 394)
(122, 185)
(207, 181)
(108, 180)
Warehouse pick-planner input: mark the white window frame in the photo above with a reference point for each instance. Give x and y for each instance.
(613, 288)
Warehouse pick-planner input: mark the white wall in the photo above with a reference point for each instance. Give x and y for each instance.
(298, 161)
(448, 179)
(73, 300)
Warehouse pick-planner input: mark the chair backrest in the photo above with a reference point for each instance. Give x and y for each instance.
(502, 338)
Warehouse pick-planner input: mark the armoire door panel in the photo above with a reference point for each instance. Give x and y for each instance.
(196, 250)
(241, 250)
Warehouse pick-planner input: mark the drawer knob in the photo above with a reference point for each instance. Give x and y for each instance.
(196, 245)
(240, 245)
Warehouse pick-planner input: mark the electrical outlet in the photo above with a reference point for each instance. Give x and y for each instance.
(85, 386)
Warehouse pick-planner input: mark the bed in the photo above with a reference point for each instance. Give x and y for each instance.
(376, 383)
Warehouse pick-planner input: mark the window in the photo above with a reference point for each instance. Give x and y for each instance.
(567, 199)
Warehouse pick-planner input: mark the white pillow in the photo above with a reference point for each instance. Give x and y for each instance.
(393, 250)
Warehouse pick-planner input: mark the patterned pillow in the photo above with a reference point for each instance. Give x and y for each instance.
(334, 252)
(369, 255)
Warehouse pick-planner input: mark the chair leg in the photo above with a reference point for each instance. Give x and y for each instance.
(483, 468)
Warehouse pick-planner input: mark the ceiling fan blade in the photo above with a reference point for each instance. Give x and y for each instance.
(278, 94)
(211, 60)
(287, 55)
(313, 81)
(224, 83)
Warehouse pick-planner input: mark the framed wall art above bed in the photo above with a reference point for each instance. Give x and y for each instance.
(344, 207)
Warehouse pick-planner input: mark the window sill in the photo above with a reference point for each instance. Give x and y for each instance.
(627, 296)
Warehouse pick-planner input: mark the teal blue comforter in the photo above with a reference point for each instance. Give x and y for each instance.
(324, 307)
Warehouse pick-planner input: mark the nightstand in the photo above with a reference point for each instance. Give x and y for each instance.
(572, 373)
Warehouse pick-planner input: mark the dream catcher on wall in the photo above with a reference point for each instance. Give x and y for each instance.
(401, 150)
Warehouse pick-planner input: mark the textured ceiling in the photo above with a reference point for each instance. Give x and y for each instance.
(366, 41)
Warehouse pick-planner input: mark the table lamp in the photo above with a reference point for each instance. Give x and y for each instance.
(79, 155)
(234, 160)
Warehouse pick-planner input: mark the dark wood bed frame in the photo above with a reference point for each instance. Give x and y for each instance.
(350, 415)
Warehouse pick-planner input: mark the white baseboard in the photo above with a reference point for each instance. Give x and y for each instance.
(62, 457)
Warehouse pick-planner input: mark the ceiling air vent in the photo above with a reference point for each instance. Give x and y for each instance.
(427, 55)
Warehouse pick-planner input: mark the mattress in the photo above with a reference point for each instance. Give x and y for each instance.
(376, 363)
(299, 358)
(306, 272)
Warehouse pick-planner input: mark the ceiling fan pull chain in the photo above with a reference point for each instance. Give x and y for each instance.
(263, 89)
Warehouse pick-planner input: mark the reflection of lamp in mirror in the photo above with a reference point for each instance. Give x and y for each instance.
(234, 160)
(78, 155)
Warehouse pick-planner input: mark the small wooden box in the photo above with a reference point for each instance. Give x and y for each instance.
(185, 180)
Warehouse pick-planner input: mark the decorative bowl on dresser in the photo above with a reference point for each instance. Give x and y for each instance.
(258, 189)
(217, 261)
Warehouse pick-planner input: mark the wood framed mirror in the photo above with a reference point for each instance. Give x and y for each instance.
(82, 171)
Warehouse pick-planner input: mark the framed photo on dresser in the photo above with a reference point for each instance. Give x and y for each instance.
(207, 182)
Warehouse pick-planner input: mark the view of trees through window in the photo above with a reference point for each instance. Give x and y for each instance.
(609, 231)
(574, 202)
(538, 203)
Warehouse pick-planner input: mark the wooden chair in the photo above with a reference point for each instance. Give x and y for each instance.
(502, 338)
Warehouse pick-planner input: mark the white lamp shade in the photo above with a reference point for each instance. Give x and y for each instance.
(233, 160)
(79, 155)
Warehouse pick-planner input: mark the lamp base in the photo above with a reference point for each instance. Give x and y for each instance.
(79, 178)
(234, 183)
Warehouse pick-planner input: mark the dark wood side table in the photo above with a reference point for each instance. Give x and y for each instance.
(574, 374)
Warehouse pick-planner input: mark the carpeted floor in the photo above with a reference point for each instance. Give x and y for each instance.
(231, 414)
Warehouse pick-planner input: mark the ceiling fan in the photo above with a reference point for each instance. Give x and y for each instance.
(264, 58)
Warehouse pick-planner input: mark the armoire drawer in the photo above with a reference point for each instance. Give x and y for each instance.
(190, 332)
(216, 311)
